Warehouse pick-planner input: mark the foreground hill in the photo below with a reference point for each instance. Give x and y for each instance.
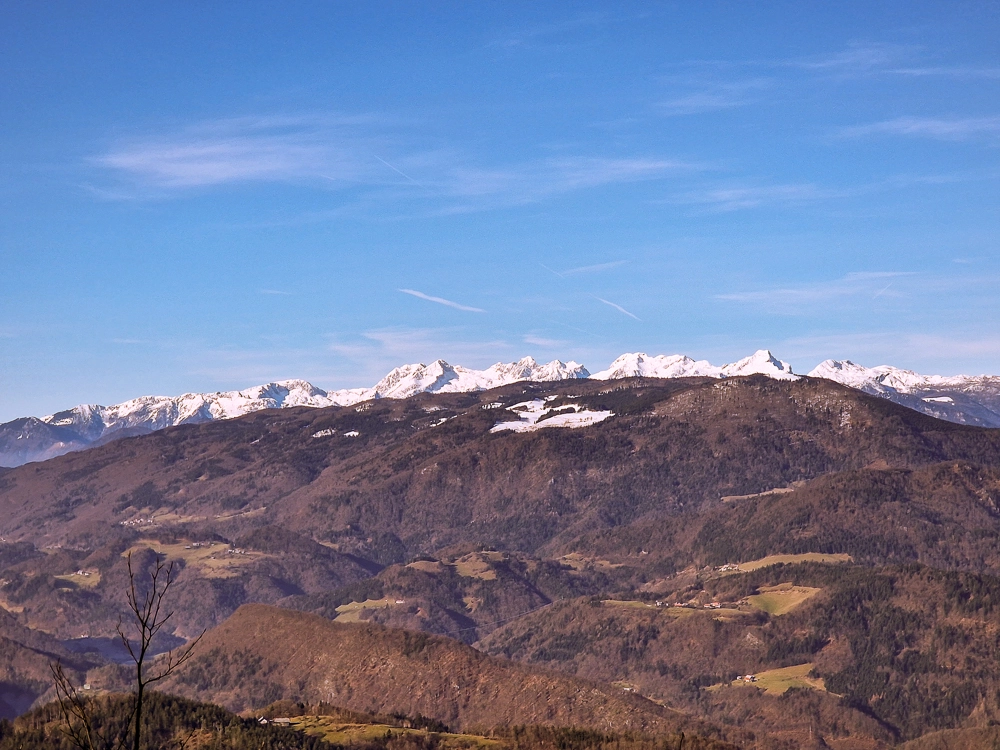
(170, 722)
(173, 722)
(262, 654)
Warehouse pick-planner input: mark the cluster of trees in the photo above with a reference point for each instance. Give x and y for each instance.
(169, 723)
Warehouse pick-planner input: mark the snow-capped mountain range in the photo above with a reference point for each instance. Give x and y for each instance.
(968, 400)
(964, 399)
(679, 366)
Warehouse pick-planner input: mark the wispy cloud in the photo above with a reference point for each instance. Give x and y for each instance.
(275, 292)
(548, 34)
(379, 160)
(859, 57)
(397, 170)
(941, 128)
(723, 198)
(707, 95)
(248, 149)
(535, 181)
(863, 282)
(619, 308)
(544, 342)
(441, 301)
(128, 342)
(957, 71)
(597, 267)
(735, 198)
(715, 85)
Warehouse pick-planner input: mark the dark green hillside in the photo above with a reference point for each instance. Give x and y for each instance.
(177, 723)
(170, 722)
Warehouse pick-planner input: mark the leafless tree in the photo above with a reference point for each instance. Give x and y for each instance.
(80, 725)
(146, 619)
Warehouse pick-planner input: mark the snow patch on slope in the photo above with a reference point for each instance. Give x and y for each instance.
(89, 423)
(963, 399)
(534, 415)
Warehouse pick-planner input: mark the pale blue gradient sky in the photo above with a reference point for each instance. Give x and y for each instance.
(206, 196)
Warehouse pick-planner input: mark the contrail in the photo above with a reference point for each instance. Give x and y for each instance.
(879, 293)
(399, 171)
(552, 271)
(619, 308)
(597, 267)
(440, 300)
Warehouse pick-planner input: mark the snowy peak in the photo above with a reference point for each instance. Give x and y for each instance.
(441, 377)
(679, 366)
(528, 369)
(884, 377)
(86, 424)
(641, 365)
(761, 362)
(964, 399)
(408, 380)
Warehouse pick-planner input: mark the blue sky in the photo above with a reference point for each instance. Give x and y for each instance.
(206, 196)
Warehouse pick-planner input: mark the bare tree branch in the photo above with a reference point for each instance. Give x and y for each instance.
(148, 618)
(79, 726)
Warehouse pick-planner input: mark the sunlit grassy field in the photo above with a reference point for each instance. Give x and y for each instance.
(777, 681)
(781, 599)
(792, 559)
(335, 731)
(209, 559)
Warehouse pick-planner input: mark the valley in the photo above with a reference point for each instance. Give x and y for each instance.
(747, 560)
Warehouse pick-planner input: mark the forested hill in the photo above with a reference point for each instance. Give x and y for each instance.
(391, 479)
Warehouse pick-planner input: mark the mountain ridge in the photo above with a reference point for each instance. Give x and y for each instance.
(963, 399)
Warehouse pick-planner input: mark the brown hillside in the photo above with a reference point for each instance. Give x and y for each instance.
(408, 484)
(944, 515)
(262, 654)
(987, 738)
(463, 595)
(910, 649)
(297, 516)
